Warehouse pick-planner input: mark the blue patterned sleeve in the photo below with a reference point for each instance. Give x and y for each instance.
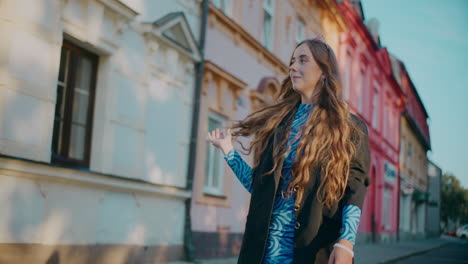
(351, 217)
(240, 168)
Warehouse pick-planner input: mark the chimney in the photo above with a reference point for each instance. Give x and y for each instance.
(373, 27)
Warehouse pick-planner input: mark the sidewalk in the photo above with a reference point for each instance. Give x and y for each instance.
(390, 252)
(375, 253)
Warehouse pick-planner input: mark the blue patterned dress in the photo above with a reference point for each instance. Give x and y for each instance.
(280, 242)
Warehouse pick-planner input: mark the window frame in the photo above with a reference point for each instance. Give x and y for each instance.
(300, 31)
(270, 10)
(207, 188)
(65, 130)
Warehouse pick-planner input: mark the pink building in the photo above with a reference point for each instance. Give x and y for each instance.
(374, 95)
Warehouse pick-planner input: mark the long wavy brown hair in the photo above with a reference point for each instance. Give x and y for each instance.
(328, 138)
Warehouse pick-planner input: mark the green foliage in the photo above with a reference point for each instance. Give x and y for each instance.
(454, 204)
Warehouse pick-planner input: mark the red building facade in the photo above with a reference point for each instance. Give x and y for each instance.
(373, 94)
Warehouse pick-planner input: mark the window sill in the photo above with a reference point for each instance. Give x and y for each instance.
(214, 195)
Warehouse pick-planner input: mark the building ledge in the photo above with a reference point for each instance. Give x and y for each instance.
(42, 171)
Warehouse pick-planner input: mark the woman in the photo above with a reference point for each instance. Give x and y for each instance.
(304, 207)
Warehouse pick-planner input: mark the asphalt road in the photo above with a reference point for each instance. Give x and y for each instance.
(453, 253)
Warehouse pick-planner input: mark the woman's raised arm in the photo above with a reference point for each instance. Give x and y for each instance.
(241, 169)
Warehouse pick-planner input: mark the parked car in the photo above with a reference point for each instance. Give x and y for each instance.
(451, 232)
(462, 231)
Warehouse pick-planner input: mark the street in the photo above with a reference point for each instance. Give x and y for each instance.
(453, 253)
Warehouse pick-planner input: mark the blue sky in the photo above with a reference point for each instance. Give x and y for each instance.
(431, 38)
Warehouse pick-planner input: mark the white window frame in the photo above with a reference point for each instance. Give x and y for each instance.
(300, 30)
(267, 41)
(208, 187)
(224, 5)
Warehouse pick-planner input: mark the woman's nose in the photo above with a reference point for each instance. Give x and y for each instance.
(293, 67)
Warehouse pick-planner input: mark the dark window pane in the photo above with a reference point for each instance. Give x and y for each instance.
(83, 76)
(63, 62)
(56, 137)
(213, 124)
(207, 164)
(59, 104)
(77, 142)
(81, 91)
(80, 108)
(75, 92)
(216, 163)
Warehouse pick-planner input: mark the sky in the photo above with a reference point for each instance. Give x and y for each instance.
(431, 38)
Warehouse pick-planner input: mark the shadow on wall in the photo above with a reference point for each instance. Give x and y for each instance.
(30, 230)
(54, 258)
(33, 232)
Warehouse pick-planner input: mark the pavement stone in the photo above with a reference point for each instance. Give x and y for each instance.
(379, 253)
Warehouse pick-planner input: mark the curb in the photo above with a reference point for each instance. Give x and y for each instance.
(413, 254)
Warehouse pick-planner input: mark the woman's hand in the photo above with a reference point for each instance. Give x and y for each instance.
(221, 141)
(340, 255)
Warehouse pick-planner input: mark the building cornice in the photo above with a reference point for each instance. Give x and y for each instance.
(34, 170)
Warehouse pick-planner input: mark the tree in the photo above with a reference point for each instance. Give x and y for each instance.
(454, 204)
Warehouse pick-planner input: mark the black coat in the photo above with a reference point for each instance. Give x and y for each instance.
(317, 227)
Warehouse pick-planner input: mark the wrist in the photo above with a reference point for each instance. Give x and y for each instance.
(346, 242)
(344, 247)
(226, 149)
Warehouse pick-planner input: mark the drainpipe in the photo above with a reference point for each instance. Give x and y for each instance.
(199, 69)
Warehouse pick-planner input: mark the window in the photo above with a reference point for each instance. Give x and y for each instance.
(395, 126)
(71, 138)
(214, 170)
(375, 108)
(223, 5)
(387, 213)
(361, 93)
(267, 37)
(347, 84)
(300, 31)
(405, 215)
(385, 120)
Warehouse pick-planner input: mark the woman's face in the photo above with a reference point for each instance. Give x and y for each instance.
(304, 71)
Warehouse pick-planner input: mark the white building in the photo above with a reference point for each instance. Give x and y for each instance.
(95, 118)
(434, 174)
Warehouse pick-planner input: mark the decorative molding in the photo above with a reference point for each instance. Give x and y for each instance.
(265, 93)
(223, 80)
(119, 8)
(160, 26)
(39, 171)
